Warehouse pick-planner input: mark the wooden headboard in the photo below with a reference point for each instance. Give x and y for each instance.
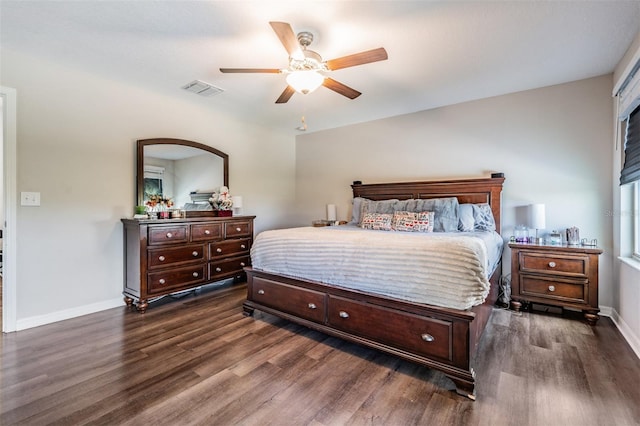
(485, 190)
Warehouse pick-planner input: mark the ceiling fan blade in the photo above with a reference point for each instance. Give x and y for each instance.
(288, 39)
(251, 70)
(286, 95)
(366, 57)
(338, 87)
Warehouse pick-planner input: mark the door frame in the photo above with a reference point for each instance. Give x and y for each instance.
(9, 240)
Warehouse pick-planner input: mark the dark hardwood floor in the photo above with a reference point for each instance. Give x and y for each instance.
(198, 360)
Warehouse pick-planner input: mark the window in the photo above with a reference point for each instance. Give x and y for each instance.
(630, 175)
(153, 182)
(636, 219)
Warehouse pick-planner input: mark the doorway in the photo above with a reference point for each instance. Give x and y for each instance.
(8, 142)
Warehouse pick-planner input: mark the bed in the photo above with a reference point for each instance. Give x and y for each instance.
(435, 333)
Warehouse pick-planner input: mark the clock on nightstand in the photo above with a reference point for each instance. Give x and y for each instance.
(563, 276)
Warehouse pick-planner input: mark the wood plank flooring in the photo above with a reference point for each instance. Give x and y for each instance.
(197, 360)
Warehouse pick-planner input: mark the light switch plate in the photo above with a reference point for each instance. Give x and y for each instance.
(30, 198)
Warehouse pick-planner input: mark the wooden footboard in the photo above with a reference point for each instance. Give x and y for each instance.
(439, 338)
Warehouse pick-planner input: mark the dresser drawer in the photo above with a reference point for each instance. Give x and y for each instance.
(164, 281)
(226, 267)
(425, 336)
(168, 234)
(567, 265)
(301, 302)
(229, 248)
(206, 232)
(165, 256)
(566, 290)
(238, 229)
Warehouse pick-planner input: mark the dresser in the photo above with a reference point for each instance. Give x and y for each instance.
(171, 255)
(563, 276)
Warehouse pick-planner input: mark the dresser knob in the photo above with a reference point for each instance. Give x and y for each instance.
(427, 337)
(161, 258)
(241, 263)
(207, 232)
(169, 235)
(260, 291)
(552, 264)
(238, 229)
(161, 281)
(312, 306)
(218, 270)
(242, 246)
(552, 288)
(195, 254)
(219, 250)
(195, 275)
(343, 314)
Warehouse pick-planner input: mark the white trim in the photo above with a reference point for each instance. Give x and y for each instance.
(9, 240)
(79, 311)
(627, 332)
(630, 261)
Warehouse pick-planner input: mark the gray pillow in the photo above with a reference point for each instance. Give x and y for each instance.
(466, 222)
(483, 217)
(445, 211)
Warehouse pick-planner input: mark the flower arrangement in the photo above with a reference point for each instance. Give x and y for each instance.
(221, 200)
(158, 200)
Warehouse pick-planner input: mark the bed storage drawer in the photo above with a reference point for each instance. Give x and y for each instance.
(302, 302)
(426, 336)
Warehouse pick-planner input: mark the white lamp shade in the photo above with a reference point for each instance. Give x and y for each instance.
(305, 81)
(331, 212)
(537, 216)
(237, 201)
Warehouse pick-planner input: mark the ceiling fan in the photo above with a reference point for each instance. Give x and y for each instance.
(306, 69)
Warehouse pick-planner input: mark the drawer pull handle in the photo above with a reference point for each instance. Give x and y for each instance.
(162, 281)
(343, 314)
(261, 291)
(312, 306)
(161, 258)
(552, 288)
(427, 337)
(207, 232)
(242, 246)
(169, 235)
(219, 250)
(552, 264)
(241, 263)
(195, 253)
(238, 229)
(218, 270)
(195, 275)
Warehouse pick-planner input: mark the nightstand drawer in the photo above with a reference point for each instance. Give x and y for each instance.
(572, 266)
(570, 291)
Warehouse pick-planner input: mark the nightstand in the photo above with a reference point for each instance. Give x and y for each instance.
(563, 276)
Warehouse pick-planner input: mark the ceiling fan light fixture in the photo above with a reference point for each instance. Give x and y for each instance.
(305, 81)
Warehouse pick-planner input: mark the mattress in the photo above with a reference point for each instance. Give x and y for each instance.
(447, 269)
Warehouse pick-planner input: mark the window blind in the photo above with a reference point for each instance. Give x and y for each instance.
(631, 169)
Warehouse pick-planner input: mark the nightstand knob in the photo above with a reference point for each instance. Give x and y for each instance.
(552, 288)
(427, 337)
(195, 275)
(161, 258)
(194, 253)
(312, 306)
(343, 314)
(242, 246)
(219, 250)
(242, 264)
(162, 281)
(260, 291)
(218, 269)
(238, 229)
(552, 264)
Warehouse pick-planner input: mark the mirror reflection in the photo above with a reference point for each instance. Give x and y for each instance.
(173, 169)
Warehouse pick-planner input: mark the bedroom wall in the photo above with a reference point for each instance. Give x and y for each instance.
(76, 146)
(553, 144)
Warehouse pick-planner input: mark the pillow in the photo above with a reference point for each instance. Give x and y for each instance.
(466, 222)
(413, 222)
(445, 211)
(365, 205)
(483, 217)
(377, 221)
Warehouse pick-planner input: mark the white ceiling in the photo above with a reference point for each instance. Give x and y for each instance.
(440, 52)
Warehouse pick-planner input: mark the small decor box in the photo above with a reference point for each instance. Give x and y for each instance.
(225, 213)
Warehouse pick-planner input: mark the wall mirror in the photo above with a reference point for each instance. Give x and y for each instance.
(175, 168)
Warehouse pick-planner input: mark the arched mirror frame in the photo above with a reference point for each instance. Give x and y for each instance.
(169, 141)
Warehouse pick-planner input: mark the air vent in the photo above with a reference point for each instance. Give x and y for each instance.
(201, 88)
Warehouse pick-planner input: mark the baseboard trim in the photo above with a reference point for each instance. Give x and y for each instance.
(38, 320)
(632, 339)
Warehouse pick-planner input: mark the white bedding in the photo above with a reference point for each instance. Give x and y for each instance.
(444, 269)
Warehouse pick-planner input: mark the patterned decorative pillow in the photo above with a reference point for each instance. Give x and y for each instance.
(377, 221)
(413, 222)
(483, 217)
